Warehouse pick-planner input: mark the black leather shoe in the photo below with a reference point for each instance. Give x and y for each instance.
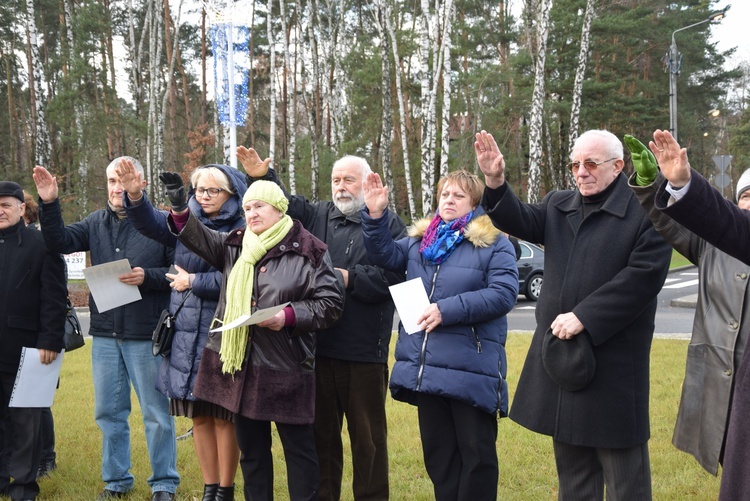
(108, 494)
(209, 492)
(225, 493)
(162, 496)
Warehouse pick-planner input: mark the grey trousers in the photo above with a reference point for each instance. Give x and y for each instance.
(584, 472)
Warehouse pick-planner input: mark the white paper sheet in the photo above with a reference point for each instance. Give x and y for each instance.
(35, 382)
(253, 319)
(411, 300)
(106, 288)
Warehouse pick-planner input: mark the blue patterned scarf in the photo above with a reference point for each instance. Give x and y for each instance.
(441, 238)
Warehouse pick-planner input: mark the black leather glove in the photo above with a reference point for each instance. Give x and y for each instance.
(175, 190)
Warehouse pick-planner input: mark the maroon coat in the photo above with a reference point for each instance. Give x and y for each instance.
(277, 379)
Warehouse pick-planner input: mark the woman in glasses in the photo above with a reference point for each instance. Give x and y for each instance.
(215, 198)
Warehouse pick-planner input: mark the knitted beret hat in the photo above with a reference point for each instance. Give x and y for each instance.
(266, 191)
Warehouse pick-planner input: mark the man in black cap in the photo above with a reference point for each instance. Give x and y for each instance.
(32, 314)
(604, 266)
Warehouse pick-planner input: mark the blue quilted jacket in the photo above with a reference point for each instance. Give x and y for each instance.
(464, 358)
(178, 371)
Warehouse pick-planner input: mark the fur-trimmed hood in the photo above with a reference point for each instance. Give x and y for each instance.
(480, 231)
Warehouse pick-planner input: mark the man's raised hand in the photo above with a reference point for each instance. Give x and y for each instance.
(46, 184)
(251, 162)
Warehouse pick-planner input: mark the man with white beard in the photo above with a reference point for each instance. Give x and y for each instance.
(351, 362)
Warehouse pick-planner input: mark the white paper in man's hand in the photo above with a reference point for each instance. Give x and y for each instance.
(411, 300)
(105, 286)
(256, 318)
(35, 382)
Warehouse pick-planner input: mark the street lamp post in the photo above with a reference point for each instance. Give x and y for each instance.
(674, 62)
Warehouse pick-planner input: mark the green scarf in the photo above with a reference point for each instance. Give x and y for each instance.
(240, 291)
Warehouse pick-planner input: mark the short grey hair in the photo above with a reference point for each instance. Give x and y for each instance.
(135, 161)
(612, 144)
(353, 159)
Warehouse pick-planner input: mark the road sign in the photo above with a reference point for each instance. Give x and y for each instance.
(722, 180)
(722, 162)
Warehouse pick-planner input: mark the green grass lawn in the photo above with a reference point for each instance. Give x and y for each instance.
(527, 470)
(678, 260)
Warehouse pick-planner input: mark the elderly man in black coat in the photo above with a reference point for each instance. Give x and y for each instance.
(32, 314)
(585, 381)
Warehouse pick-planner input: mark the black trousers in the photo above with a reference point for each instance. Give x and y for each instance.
(21, 446)
(458, 442)
(356, 391)
(47, 435)
(256, 462)
(585, 472)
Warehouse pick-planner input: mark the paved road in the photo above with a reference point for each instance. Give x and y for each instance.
(674, 315)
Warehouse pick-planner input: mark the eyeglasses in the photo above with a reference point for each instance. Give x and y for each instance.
(589, 165)
(211, 192)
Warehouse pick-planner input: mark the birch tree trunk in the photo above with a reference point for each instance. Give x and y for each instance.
(155, 163)
(136, 57)
(386, 129)
(575, 109)
(445, 145)
(401, 111)
(272, 86)
(537, 102)
(289, 71)
(42, 146)
(312, 104)
(427, 174)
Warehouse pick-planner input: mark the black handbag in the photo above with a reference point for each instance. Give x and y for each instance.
(73, 333)
(164, 331)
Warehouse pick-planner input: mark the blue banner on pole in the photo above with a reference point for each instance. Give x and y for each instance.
(231, 71)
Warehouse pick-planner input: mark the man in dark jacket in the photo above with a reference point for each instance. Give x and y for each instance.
(604, 266)
(32, 314)
(121, 348)
(351, 362)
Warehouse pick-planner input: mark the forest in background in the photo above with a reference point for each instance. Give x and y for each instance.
(405, 84)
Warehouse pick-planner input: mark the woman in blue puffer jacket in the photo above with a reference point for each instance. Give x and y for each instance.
(454, 369)
(216, 199)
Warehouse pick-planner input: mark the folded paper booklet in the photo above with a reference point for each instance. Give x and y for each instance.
(253, 319)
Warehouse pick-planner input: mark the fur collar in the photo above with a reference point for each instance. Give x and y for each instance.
(480, 231)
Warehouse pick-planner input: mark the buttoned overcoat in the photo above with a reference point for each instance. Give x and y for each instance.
(606, 268)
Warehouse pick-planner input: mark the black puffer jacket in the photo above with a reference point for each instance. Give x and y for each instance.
(108, 239)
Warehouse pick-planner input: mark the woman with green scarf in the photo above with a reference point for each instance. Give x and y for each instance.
(265, 372)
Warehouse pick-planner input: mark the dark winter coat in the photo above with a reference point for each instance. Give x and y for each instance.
(607, 269)
(720, 333)
(33, 295)
(363, 333)
(721, 223)
(178, 371)
(277, 380)
(107, 239)
(463, 358)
